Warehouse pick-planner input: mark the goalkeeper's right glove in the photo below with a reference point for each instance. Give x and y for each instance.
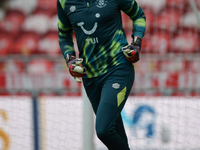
(75, 69)
(131, 52)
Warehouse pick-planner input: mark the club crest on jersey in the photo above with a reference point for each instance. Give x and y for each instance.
(101, 3)
(72, 8)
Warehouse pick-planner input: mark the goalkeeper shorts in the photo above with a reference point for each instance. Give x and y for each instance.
(111, 88)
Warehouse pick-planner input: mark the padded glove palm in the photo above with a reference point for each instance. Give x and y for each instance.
(131, 52)
(75, 69)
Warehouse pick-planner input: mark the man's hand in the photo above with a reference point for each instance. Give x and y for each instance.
(75, 69)
(131, 52)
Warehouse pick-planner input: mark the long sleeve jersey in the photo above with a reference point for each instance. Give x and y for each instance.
(97, 25)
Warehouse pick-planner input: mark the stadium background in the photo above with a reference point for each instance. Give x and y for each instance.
(38, 96)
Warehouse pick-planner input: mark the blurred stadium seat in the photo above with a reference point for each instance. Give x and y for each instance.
(47, 6)
(11, 66)
(169, 20)
(53, 23)
(176, 3)
(195, 66)
(39, 66)
(189, 20)
(12, 23)
(151, 44)
(150, 18)
(185, 43)
(26, 44)
(6, 44)
(27, 7)
(37, 23)
(49, 44)
(156, 7)
(168, 65)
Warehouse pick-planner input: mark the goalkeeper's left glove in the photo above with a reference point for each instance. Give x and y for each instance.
(132, 51)
(75, 69)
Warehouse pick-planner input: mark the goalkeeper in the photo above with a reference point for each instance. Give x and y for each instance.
(105, 60)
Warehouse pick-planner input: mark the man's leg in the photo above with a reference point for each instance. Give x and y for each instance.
(109, 126)
(120, 129)
(93, 92)
(106, 129)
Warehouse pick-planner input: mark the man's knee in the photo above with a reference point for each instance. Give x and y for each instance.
(105, 132)
(101, 133)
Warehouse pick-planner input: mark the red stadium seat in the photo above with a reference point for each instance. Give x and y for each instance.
(146, 65)
(72, 93)
(127, 23)
(47, 5)
(11, 65)
(176, 3)
(156, 6)
(27, 44)
(49, 45)
(156, 43)
(178, 93)
(26, 6)
(149, 20)
(45, 11)
(189, 20)
(6, 44)
(181, 5)
(53, 24)
(169, 65)
(185, 43)
(168, 20)
(36, 23)
(12, 23)
(195, 66)
(195, 93)
(198, 49)
(172, 80)
(39, 66)
(16, 16)
(145, 43)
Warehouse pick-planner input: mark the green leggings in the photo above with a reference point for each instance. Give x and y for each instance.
(108, 94)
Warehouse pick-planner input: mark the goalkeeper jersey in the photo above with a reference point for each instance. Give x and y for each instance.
(97, 25)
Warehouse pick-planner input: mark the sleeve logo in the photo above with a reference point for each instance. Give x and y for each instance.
(101, 3)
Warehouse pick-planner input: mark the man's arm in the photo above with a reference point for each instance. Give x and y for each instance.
(64, 31)
(66, 44)
(136, 14)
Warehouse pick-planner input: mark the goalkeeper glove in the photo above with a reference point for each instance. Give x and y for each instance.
(131, 52)
(75, 69)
